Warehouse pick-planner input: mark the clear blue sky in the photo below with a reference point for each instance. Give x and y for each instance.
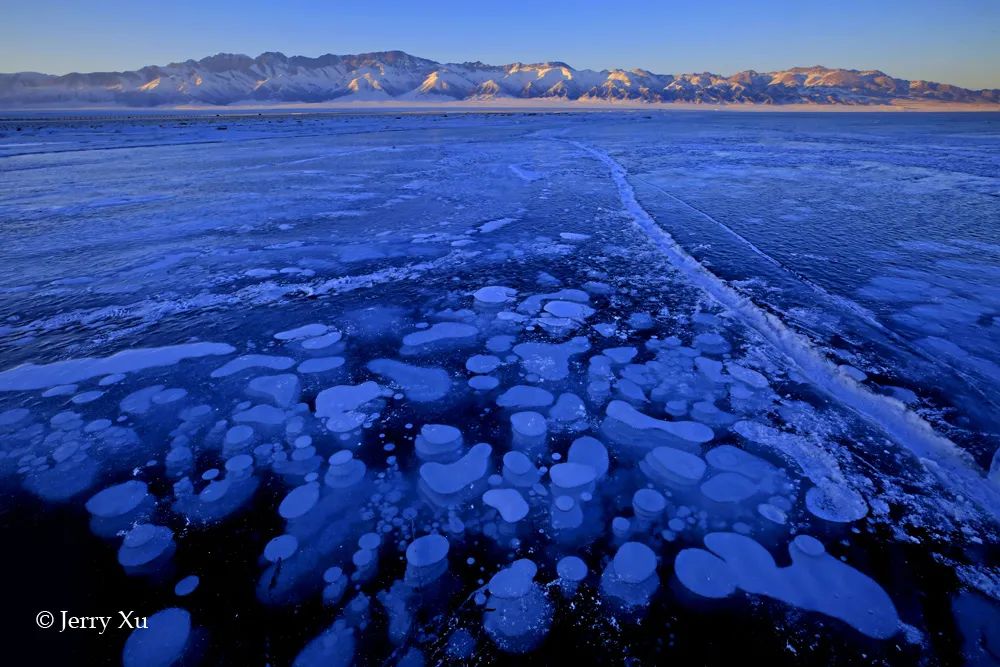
(955, 41)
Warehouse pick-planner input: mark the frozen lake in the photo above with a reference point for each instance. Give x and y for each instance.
(473, 388)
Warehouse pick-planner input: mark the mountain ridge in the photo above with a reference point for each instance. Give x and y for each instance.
(273, 77)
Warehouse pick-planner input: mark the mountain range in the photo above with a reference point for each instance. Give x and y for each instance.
(274, 78)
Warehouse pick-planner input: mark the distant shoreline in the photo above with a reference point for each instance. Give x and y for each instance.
(489, 106)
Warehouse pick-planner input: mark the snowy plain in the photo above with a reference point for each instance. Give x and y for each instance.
(426, 388)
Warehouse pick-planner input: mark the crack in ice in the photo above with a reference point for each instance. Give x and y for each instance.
(952, 465)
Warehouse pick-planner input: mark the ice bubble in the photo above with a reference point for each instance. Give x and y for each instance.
(30, 376)
(441, 332)
(494, 294)
(13, 417)
(627, 426)
(648, 504)
(334, 647)
(620, 355)
(139, 402)
(529, 429)
(572, 478)
(590, 451)
(711, 343)
(88, 397)
(146, 546)
(187, 585)
(519, 614)
(569, 408)
(117, 507)
(238, 437)
(281, 548)
(484, 382)
(265, 415)
(299, 500)
(571, 568)
(509, 502)
(283, 390)
(673, 467)
(525, 396)
(320, 364)
(321, 342)
(728, 487)
(447, 481)
(518, 470)
(426, 559)
(340, 404)
(482, 363)
(344, 471)
(438, 442)
(814, 581)
(418, 383)
(305, 331)
(161, 643)
(499, 343)
(569, 309)
(550, 361)
(634, 562)
(248, 361)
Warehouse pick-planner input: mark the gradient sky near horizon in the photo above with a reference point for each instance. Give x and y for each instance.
(953, 41)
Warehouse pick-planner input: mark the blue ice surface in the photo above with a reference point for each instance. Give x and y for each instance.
(684, 344)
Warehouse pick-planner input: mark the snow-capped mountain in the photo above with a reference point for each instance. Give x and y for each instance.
(393, 75)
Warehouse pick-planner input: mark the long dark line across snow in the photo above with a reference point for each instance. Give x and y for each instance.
(952, 466)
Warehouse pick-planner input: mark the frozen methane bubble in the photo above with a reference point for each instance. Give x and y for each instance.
(571, 568)
(31, 376)
(648, 504)
(509, 502)
(550, 361)
(728, 487)
(815, 580)
(426, 559)
(282, 390)
(334, 647)
(345, 470)
(299, 500)
(117, 507)
(320, 364)
(590, 451)
(484, 382)
(340, 405)
(281, 547)
(322, 342)
(187, 585)
(418, 383)
(145, 548)
(569, 309)
(441, 332)
(248, 361)
(161, 643)
(568, 408)
(673, 467)
(518, 470)
(482, 363)
(518, 614)
(630, 578)
(305, 331)
(529, 429)
(438, 442)
(620, 355)
(448, 484)
(525, 396)
(494, 294)
(572, 478)
(629, 427)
